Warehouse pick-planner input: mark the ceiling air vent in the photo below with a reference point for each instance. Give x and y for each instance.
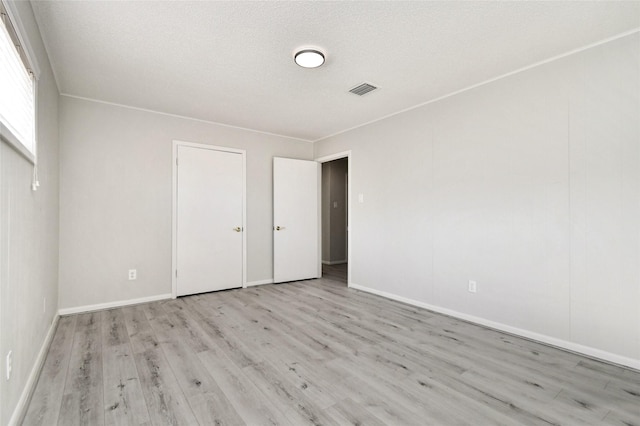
(363, 89)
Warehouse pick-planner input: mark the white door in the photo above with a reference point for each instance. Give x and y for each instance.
(296, 227)
(209, 210)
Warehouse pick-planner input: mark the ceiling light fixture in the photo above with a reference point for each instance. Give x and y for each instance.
(309, 58)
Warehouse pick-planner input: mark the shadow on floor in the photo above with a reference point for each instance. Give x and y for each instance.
(335, 272)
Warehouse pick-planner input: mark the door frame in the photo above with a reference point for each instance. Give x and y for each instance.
(174, 211)
(326, 159)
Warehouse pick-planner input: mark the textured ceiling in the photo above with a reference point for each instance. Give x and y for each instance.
(231, 62)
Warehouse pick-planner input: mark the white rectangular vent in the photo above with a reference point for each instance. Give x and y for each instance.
(363, 89)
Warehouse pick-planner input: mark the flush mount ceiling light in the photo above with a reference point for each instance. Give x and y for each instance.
(309, 58)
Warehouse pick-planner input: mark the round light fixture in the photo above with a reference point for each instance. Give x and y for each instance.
(309, 58)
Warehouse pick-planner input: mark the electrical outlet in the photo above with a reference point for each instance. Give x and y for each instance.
(473, 286)
(9, 364)
(133, 274)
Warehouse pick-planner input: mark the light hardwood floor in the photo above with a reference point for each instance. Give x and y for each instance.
(314, 352)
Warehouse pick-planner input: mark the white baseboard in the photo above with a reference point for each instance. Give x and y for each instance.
(542, 338)
(261, 282)
(21, 407)
(117, 304)
(334, 262)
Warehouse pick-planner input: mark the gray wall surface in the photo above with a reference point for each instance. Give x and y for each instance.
(334, 216)
(116, 198)
(529, 185)
(28, 235)
(326, 211)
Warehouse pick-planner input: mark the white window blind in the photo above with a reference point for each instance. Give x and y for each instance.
(17, 94)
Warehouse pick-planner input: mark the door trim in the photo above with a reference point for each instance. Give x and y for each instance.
(174, 202)
(326, 159)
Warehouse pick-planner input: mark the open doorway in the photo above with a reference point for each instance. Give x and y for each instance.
(335, 219)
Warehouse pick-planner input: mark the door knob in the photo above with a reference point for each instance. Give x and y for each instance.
(278, 228)
(237, 229)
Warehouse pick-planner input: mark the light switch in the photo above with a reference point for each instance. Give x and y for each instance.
(361, 198)
(335, 204)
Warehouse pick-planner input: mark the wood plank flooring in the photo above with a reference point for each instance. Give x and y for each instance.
(318, 353)
(335, 272)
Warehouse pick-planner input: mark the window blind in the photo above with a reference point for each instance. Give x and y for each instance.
(17, 103)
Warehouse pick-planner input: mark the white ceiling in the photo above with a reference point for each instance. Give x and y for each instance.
(232, 63)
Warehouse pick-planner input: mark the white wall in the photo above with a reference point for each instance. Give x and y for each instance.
(28, 236)
(529, 185)
(115, 198)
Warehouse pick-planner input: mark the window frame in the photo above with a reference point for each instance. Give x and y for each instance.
(5, 134)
